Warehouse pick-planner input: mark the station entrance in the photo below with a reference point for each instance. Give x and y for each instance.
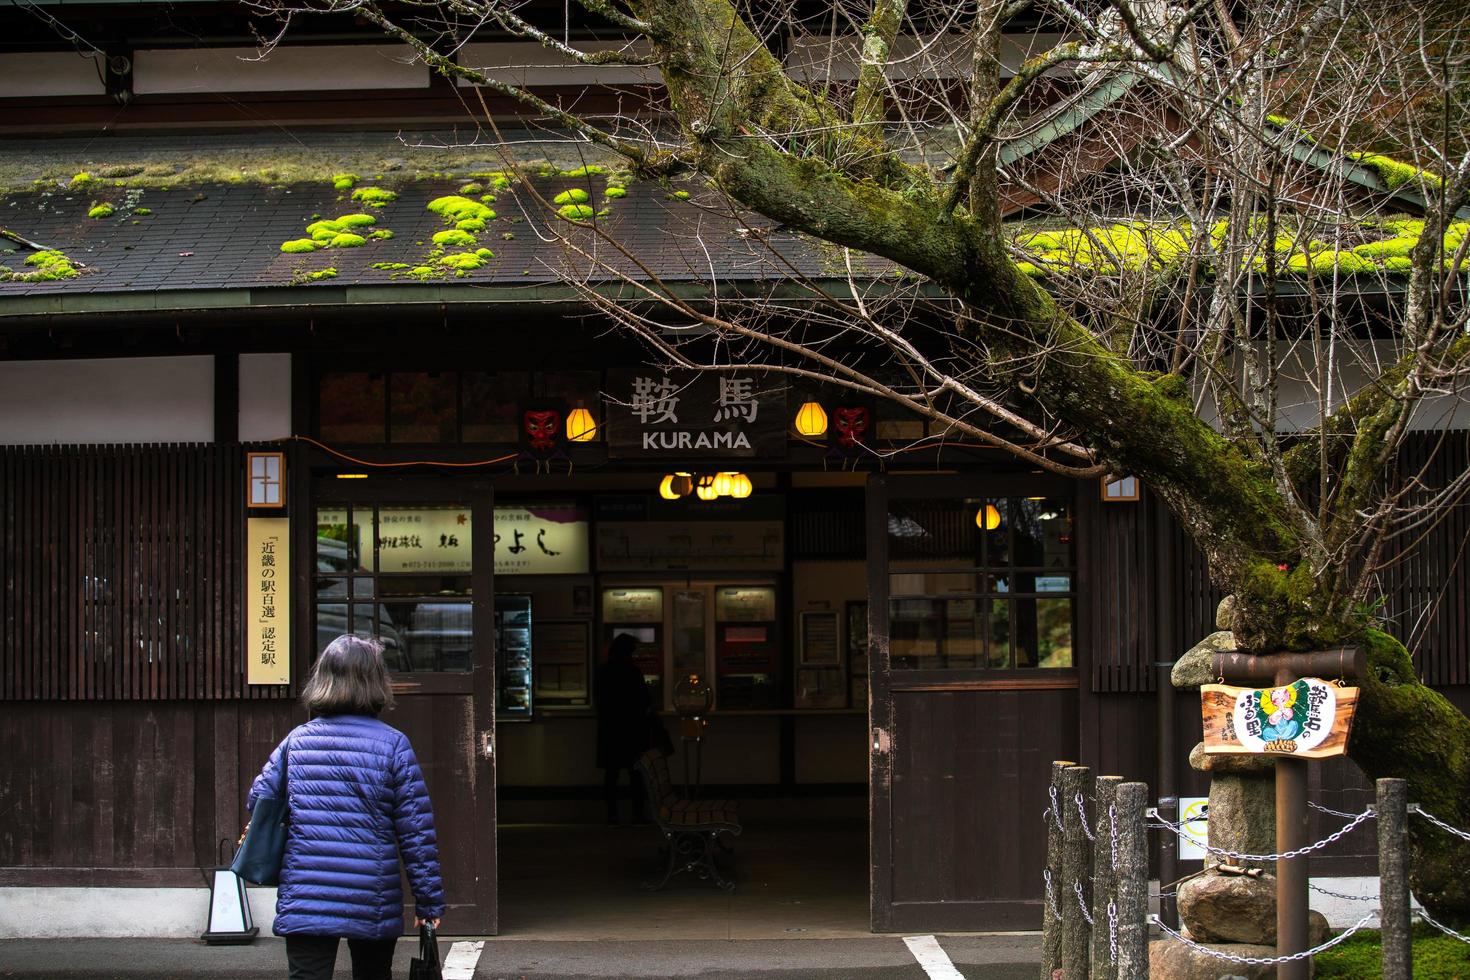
(881, 779)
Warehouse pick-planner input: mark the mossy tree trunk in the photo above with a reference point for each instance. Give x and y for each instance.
(771, 146)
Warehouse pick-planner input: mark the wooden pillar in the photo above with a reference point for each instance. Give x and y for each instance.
(1132, 882)
(1393, 878)
(1051, 923)
(1105, 879)
(1076, 873)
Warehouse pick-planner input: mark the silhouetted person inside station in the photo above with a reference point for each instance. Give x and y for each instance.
(624, 712)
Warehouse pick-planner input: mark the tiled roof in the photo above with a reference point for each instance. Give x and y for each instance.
(229, 236)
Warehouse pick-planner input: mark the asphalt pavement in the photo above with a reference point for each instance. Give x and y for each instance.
(992, 957)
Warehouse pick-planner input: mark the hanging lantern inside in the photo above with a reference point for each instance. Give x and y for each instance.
(740, 486)
(704, 488)
(988, 517)
(724, 484)
(581, 426)
(811, 420)
(675, 485)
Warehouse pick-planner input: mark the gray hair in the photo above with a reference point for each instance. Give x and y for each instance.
(349, 678)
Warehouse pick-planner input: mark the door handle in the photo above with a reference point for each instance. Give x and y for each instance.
(487, 743)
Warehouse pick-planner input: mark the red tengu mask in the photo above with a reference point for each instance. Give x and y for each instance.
(851, 424)
(542, 429)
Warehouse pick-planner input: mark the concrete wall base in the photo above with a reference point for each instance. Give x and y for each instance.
(86, 913)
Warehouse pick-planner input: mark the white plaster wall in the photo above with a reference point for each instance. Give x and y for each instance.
(265, 397)
(116, 400)
(528, 63)
(102, 913)
(328, 67)
(38, 74)
(1353, 365)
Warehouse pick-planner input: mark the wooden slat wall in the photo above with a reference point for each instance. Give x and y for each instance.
(1116, 575)
(122, 567)
(1427, 604)
(1126, 573)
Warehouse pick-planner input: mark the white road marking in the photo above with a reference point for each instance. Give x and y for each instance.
(462, 959)
(931, 957)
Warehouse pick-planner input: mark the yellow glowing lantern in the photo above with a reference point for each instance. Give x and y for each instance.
(666, 488)
(811, 420)
(740, 486)
(724, 484)
(704, 488)
(988, 517)
(581, 426)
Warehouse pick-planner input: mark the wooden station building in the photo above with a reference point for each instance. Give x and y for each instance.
(919, 632)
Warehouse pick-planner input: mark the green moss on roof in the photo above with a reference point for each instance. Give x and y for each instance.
(374, 197)
(613, 193)
(299, 245)
(463, 261)
(142, 212)
(47, 265)
(1395, 173)
(583, 171)
(574, 195)
(100, 211)
(381, 235)
(454, 238)
(316, 276)
(473, 187)
(347, 240)
(345, 182)
(471, 224)
(357, 220)
(454, 208)
(575, 212)
(1162, 248)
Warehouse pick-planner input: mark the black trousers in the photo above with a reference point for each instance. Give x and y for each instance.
(313, 957)
(610, 792)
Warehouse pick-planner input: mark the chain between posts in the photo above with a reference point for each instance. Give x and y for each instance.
(1441, 926)
(1082, 812)
(1416, 808)
(1286, 856)
(1051, 896)
(1056, 810)
(1328, 810)
(1082, 901)
(1113, 932)
(1342, 895)
(1267, 960)
(1113, 830)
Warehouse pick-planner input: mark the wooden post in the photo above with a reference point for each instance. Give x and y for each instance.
(1292, 874)
(1076, 935)
(1393, 878)
(1051, 925)
(1132, 882)
(1104, 879)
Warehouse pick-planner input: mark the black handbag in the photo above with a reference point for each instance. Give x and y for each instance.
(425, 966)
(264, 845)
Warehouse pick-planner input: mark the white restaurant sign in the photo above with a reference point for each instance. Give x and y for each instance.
(535, 539)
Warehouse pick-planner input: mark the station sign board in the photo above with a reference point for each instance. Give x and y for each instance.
(1309, 718)
(654, 414)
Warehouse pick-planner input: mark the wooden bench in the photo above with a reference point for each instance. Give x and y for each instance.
(690, 828)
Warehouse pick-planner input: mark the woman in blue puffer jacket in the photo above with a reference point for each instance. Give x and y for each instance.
(356, 801)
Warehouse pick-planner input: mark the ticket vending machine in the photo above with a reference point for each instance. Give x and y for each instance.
(638, 611)
(747, 648)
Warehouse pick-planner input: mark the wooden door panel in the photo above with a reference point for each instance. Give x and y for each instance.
(440, 727)
(969, 784)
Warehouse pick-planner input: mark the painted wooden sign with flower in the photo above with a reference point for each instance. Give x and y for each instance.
(1309, 718)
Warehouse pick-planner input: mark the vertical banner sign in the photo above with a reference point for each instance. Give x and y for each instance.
(267, 600)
